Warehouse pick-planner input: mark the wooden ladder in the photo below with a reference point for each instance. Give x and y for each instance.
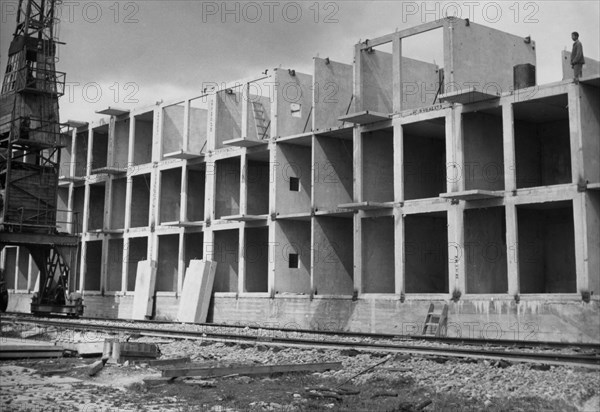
(436, 323)
(260, 121)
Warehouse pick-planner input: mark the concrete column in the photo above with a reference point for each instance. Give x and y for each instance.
(510, 176)
(86, 212)
(456, 249)
(397, 74)
(454, 157)
(581, 243)
(181, 263)
(183, 215)
(125, 264)
(512, 246)
(358, 103)
(243, 182)
(358, 280)
(242, 258)
(358, 196)
(245, 93)
(186, 127)
(104, 264)
(399, 250)
(576, 138)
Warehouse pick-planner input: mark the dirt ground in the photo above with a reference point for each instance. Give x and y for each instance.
(63, 385)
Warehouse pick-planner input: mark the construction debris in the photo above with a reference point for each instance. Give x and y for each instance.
(29, 350)
(215, 371)
(97, 367)
(117, 351)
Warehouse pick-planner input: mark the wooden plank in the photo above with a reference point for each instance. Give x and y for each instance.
(251, 370)
(30, 351)
(169, 362)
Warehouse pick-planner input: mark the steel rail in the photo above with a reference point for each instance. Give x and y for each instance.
(588, 360)
(520, 343)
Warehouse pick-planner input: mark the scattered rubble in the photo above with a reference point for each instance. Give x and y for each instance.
(363, 381)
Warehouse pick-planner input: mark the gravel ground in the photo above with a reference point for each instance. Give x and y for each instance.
(471, 379)
(450, 384)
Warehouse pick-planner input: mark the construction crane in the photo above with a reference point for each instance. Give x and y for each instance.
(31, 137)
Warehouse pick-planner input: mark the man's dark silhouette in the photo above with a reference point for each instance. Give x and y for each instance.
(577, 60)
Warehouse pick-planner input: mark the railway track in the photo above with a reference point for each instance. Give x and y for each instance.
(552, 353)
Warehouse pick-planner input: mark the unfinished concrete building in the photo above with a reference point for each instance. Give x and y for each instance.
(352, 198)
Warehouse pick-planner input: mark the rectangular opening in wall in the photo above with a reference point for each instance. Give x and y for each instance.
(227, 199)
(117, 212)
(173, 126)
(378, 255)
(333, 175)
(226, 253)
(195, 192)
(100, 147)
(144, 127)
(81, 152)
(22, 268)
(136, 252)
(198, 123)
(378, 165)
(257, 181)
(424, 158)
(333, 260)
(292, 251)
(293, 170)
(546, 248)
(66, 157)
(193, 247)
(483, 167)
(422, 72)
(170, 195)
(78, 202)
(542, 142)
(140, 200)
(93, 265)
(62, 212)
(121, 145)
(256, 255)
(294, 184)
(293, 262)
(426, 253)
(168, 263)
(114, 272)
(485, 250)
(96, 206)
(10, 266)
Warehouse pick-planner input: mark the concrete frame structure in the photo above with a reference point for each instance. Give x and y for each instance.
(344, 200)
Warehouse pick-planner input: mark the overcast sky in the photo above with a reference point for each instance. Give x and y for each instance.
(132, 53)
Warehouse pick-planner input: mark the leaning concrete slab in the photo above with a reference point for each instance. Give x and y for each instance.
(197, 290)
(144, 290)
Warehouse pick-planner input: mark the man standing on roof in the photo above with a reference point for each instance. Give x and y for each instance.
(577, 60)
